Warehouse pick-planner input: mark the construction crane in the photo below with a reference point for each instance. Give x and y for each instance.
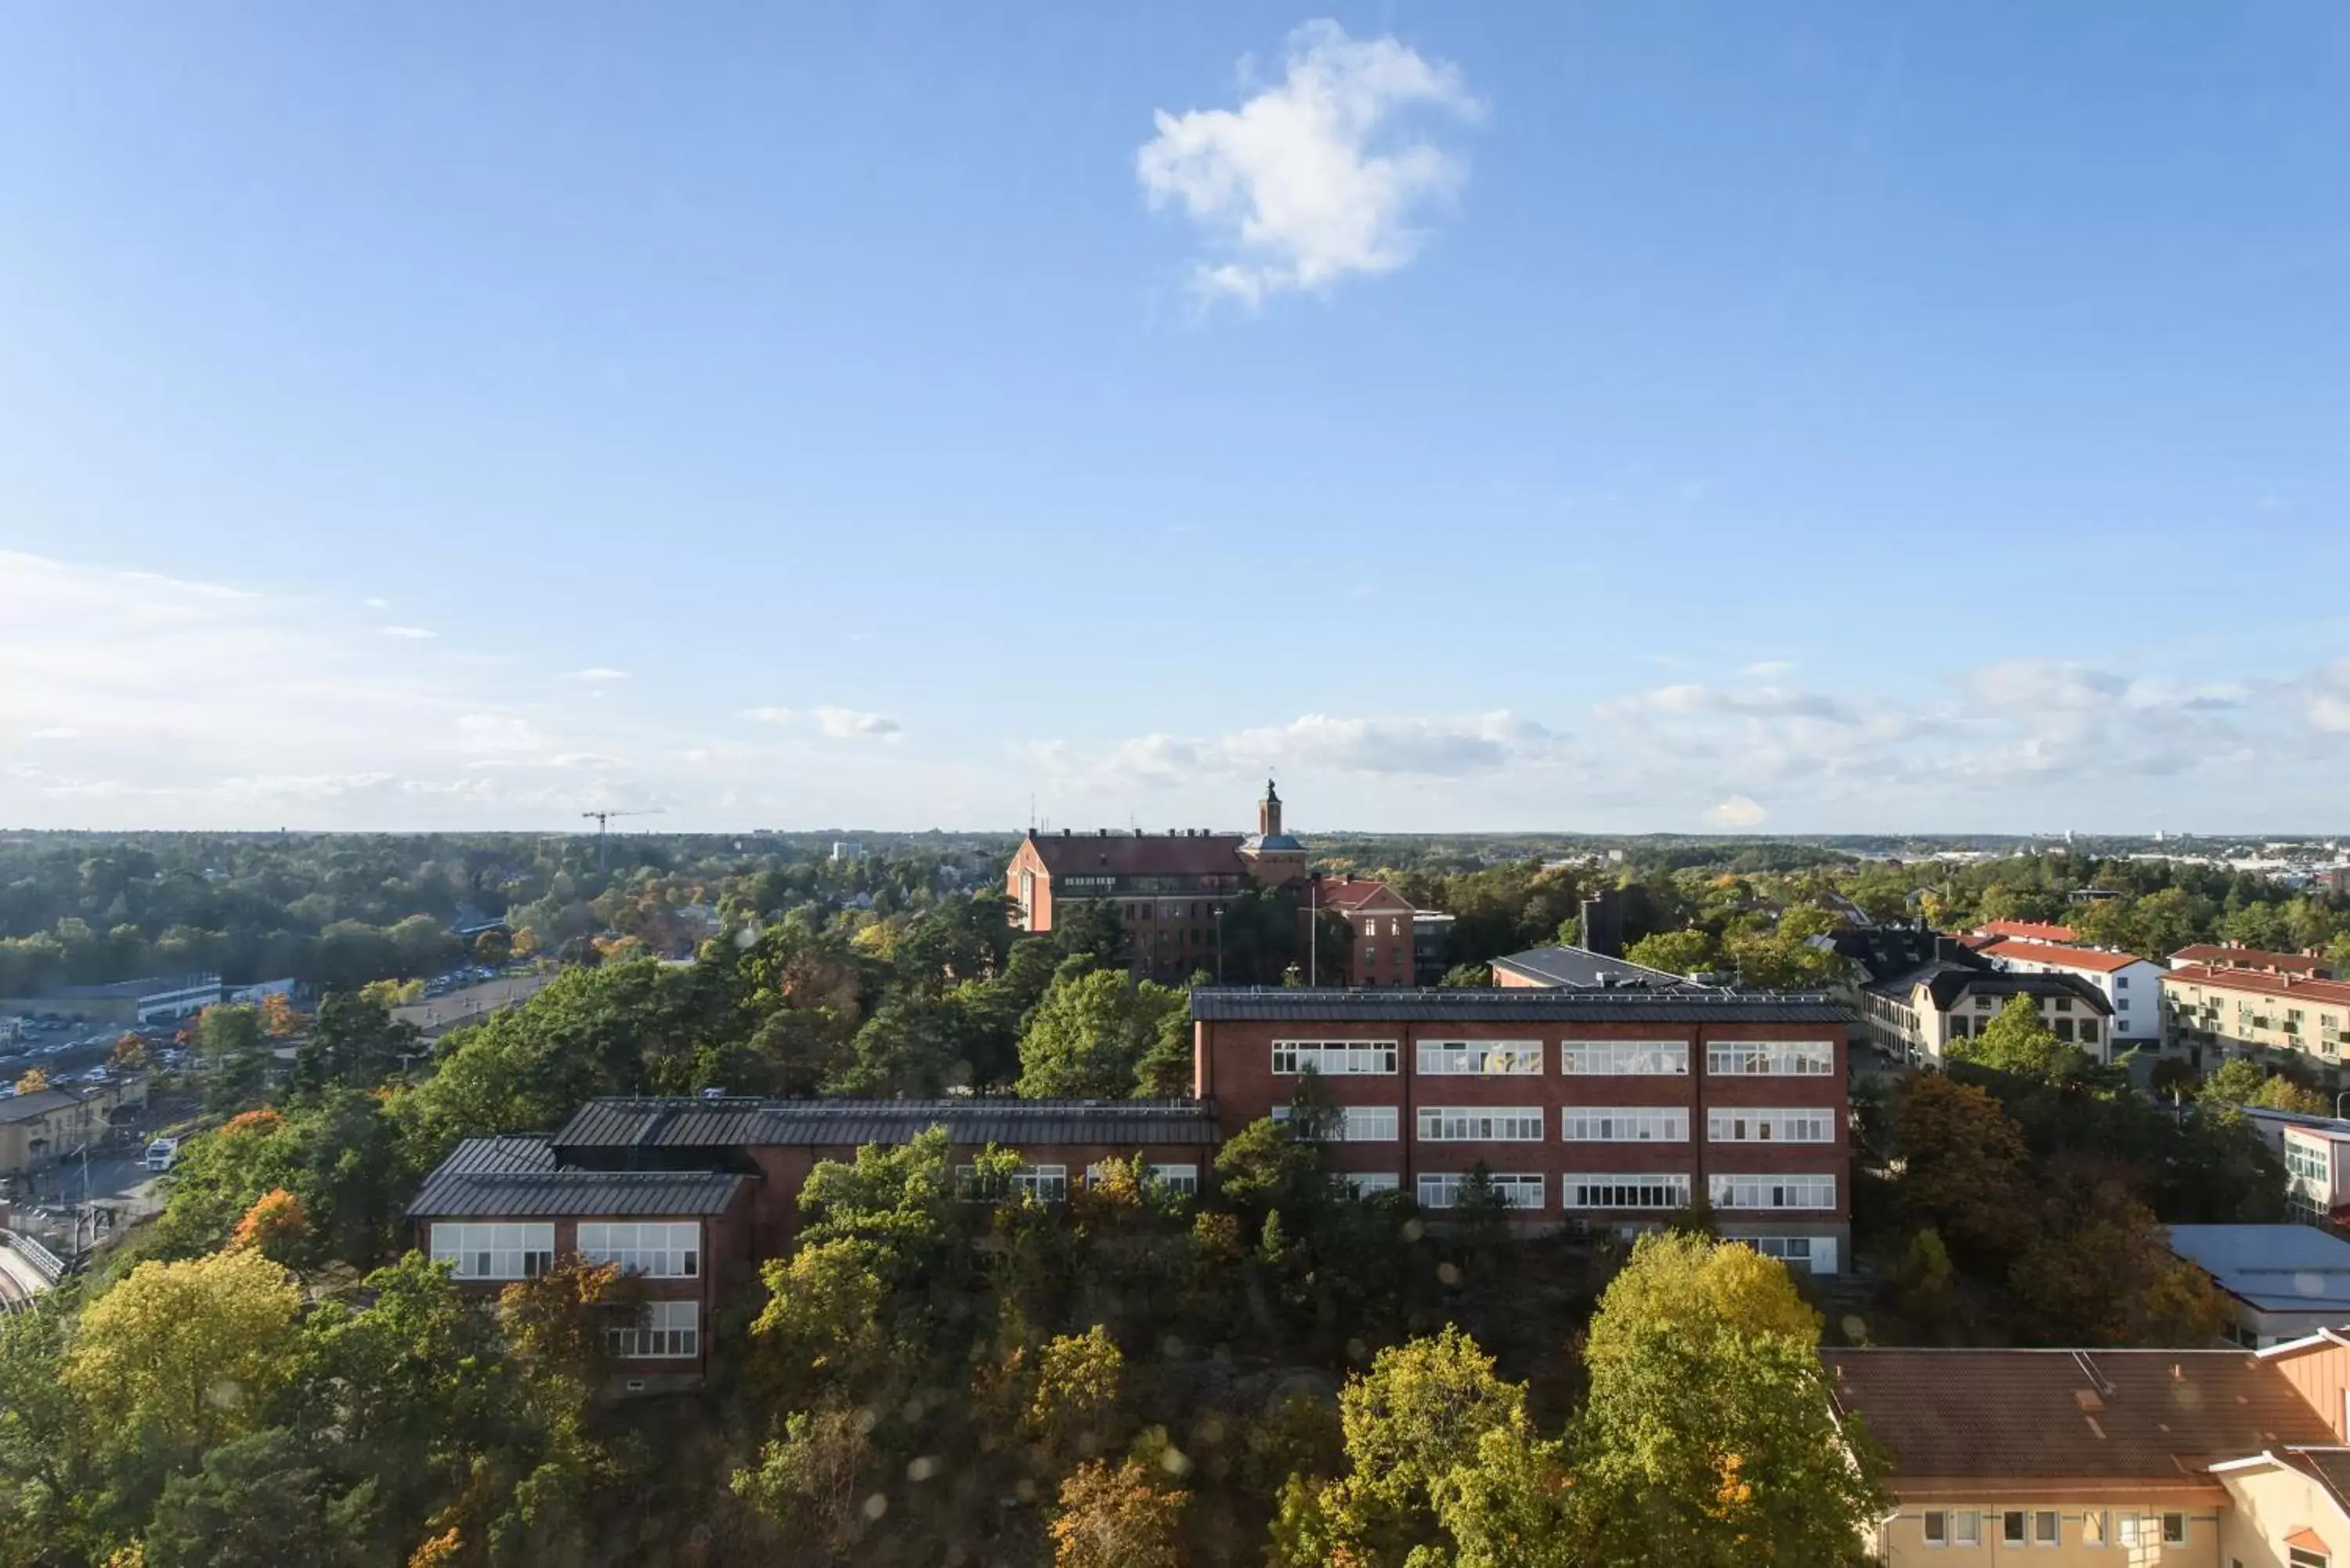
(603, 820)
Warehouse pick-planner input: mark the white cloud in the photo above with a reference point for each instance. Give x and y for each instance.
(2327, 704)
(413, 633)
(1736, 811)
(1314, 177)
(766, 715)
(843, 723)
(53, 733)
(378, 604)
(1766, 669)
(596, 675)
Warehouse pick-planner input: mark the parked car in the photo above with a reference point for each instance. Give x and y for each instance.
(163, 1153)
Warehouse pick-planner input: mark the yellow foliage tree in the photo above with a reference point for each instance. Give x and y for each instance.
(129, 1051)
(185, 1350)
(33, 1082)
(1115, 1518)
(278, 1018)
(1700, 1288)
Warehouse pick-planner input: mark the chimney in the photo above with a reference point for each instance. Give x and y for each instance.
(1103, 832)
(1064, 833)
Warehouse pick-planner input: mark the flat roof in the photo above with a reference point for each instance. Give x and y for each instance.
(2228, 977)
(1562, 965)
(2099, 961)
(2276, 1268)
(1694, 1004)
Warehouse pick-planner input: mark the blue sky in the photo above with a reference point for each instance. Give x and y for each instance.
(1800, 417)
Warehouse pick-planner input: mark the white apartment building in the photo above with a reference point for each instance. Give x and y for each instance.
(2133, 984)
(1916, 1015)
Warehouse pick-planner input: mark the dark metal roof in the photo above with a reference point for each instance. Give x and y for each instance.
(1582, 968)
(1278, 1004)
(839, 1123)
(516, 1177)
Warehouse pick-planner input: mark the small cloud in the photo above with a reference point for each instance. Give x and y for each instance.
(1737, 811)
(596, 673)
(413, 633)
(182, 585)
(55, 732)
(378, 604)
(843, 723)
(766, 715)
(1308, 180)
(1764, 668)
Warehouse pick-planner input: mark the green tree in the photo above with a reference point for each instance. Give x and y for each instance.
(1965, 1168)
(2018, 1044)
(1707, 1438)
(1690, 951)
(1091, 1031)
(236, 1055)
(353, 1040)
(260, 1502)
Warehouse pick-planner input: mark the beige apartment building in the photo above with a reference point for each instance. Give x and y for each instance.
(2225, 1010)
(2108, 1459)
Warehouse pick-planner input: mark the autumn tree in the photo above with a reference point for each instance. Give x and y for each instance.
(1965, 1171)
(1118, 1517)
(185, 1353)
(32, 1081)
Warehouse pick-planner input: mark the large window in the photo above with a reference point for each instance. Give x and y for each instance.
(1741, 1124)
(1442, 1190)
(1362, 1183)
(1796, 1252)
(496, 1251)
(1331, 1057)
(1657, 1189)
(1772, 1058)
(1773, 1191)
(1356, 1124)
(1623, 1123)
(2307, 1163)
(1624, 1058)
(1173, 1177)
(667, 1329)
(662, 1251)
(1045, 1183)
(1481, 1123)
(1470, 1058)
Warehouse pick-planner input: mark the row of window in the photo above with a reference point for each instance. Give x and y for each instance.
(1583, 1123)
(1592, 1189)
(1606, 1058)
(524, 1252)
(1050, 1183)
(2045, 1527)
(662, 1329)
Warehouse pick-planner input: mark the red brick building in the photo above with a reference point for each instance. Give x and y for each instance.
(1164, 889)
(1381, 952)
(1593, 1108)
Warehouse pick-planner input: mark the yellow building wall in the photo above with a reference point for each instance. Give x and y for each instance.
(1902, 1539)
(2272, 1503)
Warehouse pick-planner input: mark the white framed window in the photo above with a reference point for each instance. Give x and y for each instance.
(665, 1329)
(2011, 1527)
(1362, 1183)
(1800, 1254)
(1442, 1190)
(1173, 1177)
(2125, 1530)
(1966, 1527)
(1624, 1058)
(494, 1251)
(1937, 1528)
(1771, 1058)
(1771, 1191)
(1332, 1057)
(1650, 1189)
(2044, 1526)
(2307, 1163)
(1623, 1123)
(1045, 1183)
(1744, 1124)
(1481, 1123)
(666, 1251)
(1481, 1058)
(1357, 1124)
(2095, 1527)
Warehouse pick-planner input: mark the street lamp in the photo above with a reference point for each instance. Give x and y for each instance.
(2337, 1104)
(1220, 944)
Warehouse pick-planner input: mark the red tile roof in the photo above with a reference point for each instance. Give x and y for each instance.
(2260, 980)
(1144, 855)
(1340, 894)
(2096, 959)
(2031, 1422)
(2247, 958)
(2029, 930)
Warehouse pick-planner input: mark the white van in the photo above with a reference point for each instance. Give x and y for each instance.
(162, 1153)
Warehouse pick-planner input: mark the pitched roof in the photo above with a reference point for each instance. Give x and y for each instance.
(1945, 982)
(516, 1177)
(1532, 1005)
(734, 1124)
(1581, 969)
(2099, 959)
(1139, 854)
(2276, 1268)
(1353, 893)
(41, 1102)
(2259, 980)
(2036, 1422)
(2226, 956)
(2029, 930)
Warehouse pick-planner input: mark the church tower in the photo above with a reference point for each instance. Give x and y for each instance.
(1268, 813)
(1273, 858)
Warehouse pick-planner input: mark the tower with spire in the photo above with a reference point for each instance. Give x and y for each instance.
(1275, 858)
